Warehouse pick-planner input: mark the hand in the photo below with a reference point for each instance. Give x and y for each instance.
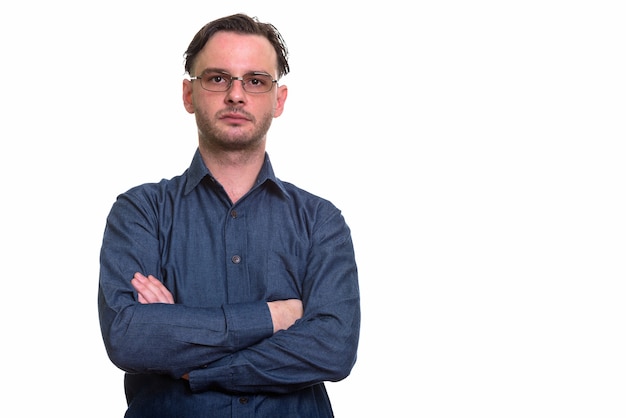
(151, 290)
(285, 313)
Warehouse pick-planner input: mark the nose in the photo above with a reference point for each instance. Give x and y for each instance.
(236, 93)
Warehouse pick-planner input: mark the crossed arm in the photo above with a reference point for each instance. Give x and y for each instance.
(150, 290)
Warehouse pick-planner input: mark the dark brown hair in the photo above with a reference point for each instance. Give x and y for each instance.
(239, 23)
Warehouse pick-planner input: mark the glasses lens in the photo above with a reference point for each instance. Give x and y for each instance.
(257, 83)
(215, 81)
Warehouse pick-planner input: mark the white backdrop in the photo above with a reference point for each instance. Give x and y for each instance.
(484, 184)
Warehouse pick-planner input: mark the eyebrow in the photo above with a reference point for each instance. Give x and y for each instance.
(216, 70)
(222, 71)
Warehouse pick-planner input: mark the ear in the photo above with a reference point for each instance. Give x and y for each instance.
(281, 97)
(187, 96)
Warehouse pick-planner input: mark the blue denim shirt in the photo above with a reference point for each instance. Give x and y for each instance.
(223, 262)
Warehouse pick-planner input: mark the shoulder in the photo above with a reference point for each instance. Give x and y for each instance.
(151, 195)
(317, 210)
(302, 196)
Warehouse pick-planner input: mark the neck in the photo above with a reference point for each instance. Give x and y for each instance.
(236, 171)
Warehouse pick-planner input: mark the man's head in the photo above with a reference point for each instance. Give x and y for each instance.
(235, 63)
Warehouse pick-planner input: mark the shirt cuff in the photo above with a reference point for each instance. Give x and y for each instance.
(248, 323)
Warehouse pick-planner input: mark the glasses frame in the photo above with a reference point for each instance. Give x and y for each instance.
(232, 78)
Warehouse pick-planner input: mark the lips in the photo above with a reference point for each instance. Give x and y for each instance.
(232, 117)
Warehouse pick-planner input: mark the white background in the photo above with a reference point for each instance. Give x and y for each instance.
(476, 149)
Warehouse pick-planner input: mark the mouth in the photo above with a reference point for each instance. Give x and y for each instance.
(233, 118)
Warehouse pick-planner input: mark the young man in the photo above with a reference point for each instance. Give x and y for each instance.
(225, 292)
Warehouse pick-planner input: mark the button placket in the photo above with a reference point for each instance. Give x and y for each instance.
(235, 236)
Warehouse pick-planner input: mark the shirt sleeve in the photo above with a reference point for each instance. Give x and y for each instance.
(322, 345)
(162, 338)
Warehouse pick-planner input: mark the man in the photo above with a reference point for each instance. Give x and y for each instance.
(225, 292)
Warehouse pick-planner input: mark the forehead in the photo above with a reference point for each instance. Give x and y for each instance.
(237, 53)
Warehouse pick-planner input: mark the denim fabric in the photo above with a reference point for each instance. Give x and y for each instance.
(223, 262)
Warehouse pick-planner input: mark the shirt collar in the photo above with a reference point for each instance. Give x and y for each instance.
(198, 170)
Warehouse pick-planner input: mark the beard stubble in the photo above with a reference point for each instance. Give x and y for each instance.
(216, 135)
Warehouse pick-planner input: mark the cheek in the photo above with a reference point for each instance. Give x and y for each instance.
(202, 103)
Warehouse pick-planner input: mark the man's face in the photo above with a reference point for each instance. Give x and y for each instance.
(234, 119)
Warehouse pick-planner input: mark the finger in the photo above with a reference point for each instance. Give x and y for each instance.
(159, 288)
(146, 290)
(151, 290)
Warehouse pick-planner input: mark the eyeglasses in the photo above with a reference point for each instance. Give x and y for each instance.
(220, 81)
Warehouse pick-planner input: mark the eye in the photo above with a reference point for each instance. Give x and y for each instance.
(213, 78)
(257, 80)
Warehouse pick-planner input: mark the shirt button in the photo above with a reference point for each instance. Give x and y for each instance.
(233, 213)
(236, 259)
(243, 401)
